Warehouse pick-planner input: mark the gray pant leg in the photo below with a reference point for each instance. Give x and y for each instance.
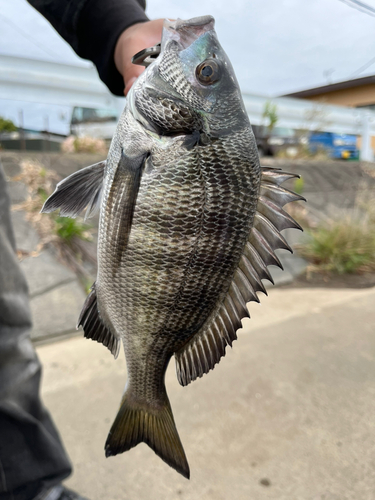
(31, 453)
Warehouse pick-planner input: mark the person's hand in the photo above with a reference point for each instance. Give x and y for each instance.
(138, 37)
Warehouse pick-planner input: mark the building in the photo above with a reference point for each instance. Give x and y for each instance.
(357, 93)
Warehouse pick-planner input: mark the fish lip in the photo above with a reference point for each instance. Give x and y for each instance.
(185, 32)
(195, 22)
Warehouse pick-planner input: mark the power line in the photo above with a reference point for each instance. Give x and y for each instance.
(362, 68)
(361, 6)
(26, 35)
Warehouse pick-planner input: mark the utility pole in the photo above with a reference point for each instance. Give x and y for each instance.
(21, 130)
(46, 128)
(367, 153)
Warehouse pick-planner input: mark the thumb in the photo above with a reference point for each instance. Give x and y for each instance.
(129, 84)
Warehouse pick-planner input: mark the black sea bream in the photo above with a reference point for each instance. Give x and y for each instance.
(189, 222)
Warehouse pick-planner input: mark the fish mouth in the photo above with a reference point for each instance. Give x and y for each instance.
(186, 32)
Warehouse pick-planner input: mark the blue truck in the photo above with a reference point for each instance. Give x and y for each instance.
(338, 146)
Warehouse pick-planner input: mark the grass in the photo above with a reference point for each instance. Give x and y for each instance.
(67, 228)
(340, 247)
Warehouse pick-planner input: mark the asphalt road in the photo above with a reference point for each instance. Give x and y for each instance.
(289, 413)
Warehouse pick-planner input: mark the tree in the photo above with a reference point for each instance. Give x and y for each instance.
(270, 112)
(7, 125)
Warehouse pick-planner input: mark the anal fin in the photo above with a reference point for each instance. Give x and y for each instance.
(94, 327)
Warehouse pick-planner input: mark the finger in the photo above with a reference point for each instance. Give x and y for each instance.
(129, 84)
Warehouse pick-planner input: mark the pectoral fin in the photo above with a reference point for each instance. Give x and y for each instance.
(78, 191)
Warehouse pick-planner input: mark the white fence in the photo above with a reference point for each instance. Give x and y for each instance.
(53, 83)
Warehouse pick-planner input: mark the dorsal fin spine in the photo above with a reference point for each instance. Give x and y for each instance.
(198, 359)
(228, 328)
(205, 352)
(214, 342)
(240, 302)
(260, 268)
(246, 284)
(264, 250)
(191, 359)
(230, 307)
(270, 232)
(223, 330)
(275, 214)
(278, 194)
(276, 176)
(248, 271)
(221, 341)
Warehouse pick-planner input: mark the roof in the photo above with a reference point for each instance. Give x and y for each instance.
(358, 82)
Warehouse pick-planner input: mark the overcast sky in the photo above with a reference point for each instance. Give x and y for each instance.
(276, 46)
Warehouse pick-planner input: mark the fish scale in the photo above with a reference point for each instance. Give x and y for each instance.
(189, 222)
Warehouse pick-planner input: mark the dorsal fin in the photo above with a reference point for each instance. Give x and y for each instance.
(78, 191)
(205, 349)
(94, 327)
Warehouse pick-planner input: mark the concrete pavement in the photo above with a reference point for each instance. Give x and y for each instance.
(288, 414)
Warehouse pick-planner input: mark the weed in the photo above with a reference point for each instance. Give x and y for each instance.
(346, 246)
(68, 236)
(68, 228)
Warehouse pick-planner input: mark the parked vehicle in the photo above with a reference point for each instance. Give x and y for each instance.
(337, 145)
(271, 142)
(99, 123)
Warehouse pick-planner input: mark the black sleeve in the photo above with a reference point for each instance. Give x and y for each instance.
(92, 28)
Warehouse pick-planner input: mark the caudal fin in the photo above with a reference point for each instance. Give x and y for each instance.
(155, 426)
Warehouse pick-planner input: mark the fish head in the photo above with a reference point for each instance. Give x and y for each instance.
(191, 85)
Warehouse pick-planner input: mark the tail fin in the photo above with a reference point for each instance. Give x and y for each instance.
(137, 423)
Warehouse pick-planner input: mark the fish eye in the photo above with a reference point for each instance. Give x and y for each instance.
(208, 72)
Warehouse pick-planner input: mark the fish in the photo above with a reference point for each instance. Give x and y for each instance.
(189, 223)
